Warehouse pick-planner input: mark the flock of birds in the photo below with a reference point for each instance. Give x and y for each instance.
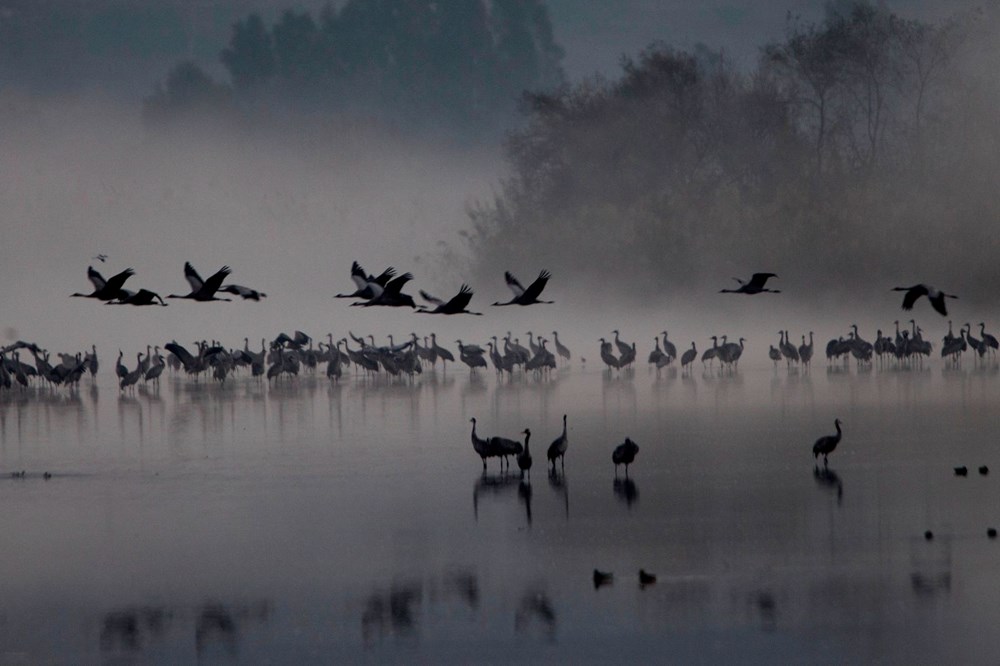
(287, 355)
(384, 289)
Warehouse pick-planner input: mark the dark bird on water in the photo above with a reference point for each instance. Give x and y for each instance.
(646, 578)
(624, 454)
(602, 578)
(962, 471)
(524, 458)
(527, 296)
(203, 290)
(106, 290)
(558, 447)
(754, 286)
(826, 444)
(458, 304)
(933, 295)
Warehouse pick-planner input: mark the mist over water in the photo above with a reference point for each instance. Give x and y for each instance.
(288, 213)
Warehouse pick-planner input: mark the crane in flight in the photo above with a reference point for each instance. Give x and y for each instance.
(203, 290)
(933, 295)
(527, 296)
(106, 290)
(754, 286)
(458, 304)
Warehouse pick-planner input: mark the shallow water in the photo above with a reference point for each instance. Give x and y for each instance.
(310, 521)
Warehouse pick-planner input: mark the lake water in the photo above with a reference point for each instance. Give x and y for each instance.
(315, 522)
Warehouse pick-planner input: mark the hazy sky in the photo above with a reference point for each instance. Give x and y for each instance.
(80, 178)
(596, 33)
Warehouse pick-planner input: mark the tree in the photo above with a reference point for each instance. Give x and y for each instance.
(249, 58)
(188, 92)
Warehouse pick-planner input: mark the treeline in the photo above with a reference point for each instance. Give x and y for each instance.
(410, 62)
(115, 46)
(859, 149)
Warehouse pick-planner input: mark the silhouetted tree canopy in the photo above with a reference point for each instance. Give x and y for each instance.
(187, 93)
(833, 159)
(417, 63)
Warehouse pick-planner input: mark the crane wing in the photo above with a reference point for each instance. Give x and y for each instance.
(96, 278)
(244, 292)
(191, 275)
(383, 279)
(912, 295)
(939, 306)
(395, 285)
(116, 281)
(183, 354)
(358, 275)
(757, 280)
(535, 288)
(461, 300)
(301, 338)
(514, 285)
(213, 283)
(431, 299)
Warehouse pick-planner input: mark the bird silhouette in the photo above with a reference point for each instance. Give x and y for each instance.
(368, 286)
(246, 293)
(624, 454)
(458, 304)
(392, 295)
(203, 290)
(141, 297)
(933, 295)
(527, 296)
(106, 290)
(754, 286)
(558, 447)
(524, 458)
(826, 444)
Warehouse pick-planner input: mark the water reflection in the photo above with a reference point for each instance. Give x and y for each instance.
(524, 492)
(391, 613)
(215, 626)
(136, 629)
(536, 609)
(930, 566)
(559, 485)
(129, 629)
(465, 585)
(828, 479)
(500, 485)
(626, 491)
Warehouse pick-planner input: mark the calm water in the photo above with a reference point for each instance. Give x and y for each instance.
(324, 522)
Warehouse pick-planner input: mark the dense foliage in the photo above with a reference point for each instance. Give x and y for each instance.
(856, 150)
(412, 62)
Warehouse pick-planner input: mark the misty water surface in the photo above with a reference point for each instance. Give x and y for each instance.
(326, 522)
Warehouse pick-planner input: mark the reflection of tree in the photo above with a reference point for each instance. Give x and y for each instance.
(535, 606)
(392, 611)
(215, 623)
(128, 628)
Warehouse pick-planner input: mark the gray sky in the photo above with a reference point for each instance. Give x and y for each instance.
(81, 178)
